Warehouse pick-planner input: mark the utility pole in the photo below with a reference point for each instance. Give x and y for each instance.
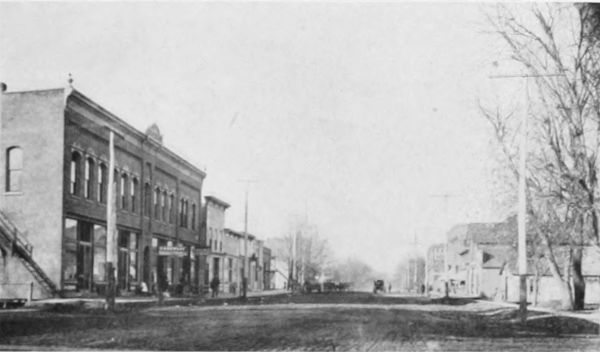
(111, 225)
(245, 263)
(522, 193)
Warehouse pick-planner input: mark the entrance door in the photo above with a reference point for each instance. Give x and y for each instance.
(216, 268)
(84, 266)
(146, 266)
(122, 269)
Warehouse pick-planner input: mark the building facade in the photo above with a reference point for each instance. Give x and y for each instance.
(215, 237)
(267, 269)
(434, 267)
(55, 157)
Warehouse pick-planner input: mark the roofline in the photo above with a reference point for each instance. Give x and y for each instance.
(33, 91)
(240, 233)
(233, 232)
(217, 200)
(142, 136)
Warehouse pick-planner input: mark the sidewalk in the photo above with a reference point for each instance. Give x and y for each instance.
(589, 315)
(137, 301)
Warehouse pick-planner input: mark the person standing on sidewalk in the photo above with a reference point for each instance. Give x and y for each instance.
(214, 286)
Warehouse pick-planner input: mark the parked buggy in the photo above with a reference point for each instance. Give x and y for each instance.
(378, 285)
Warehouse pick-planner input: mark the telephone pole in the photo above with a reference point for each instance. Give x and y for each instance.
(522, 192)
(245, 263)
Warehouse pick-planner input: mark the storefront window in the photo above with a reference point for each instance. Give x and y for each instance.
(70, 255)
(128, 257)
(155, 260)
(99, 253)
(133, 256)
(169, 265)
(193, 266)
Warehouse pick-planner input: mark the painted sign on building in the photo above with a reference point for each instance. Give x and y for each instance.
(177, 251)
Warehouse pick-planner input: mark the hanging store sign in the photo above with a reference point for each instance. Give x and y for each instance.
(202, 251)
(172, 251)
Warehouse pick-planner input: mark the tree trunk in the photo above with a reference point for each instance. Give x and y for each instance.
(536, 287)
(566, 302)
(578, 280)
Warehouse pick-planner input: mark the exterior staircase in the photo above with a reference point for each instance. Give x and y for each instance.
(13, 241)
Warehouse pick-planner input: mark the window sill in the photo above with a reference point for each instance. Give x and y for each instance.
(13, 193)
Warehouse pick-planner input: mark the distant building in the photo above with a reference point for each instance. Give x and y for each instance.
(467, 266)
(280, 262)
(541, 286)
(482, 261)
(215, 237)
(435, 268)
(267, 269)
(54, 174)
(412, 275)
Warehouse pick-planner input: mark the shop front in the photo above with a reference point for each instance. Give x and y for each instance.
(175, 268)
(84, 258)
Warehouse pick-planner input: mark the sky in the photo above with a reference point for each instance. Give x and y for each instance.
(357, 116)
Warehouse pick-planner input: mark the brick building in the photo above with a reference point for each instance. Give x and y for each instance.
(55, 157)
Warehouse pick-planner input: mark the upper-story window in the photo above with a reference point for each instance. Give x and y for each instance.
(101, 189)
(163, 206)
(156, 204)
(89, 173)
(181, 212)
(171, 207)
(193, 216)
(185, 214)
(14, 169)
(123, 191)
(147, 195)
(133, 193)
(74, 174)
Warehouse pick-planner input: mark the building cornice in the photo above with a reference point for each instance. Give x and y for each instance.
(142, 137)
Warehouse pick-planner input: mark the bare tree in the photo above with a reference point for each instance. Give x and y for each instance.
(564, 129)
(306, 253)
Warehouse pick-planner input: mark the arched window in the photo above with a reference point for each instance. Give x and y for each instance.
(123, 191)
(171, 207)
(163, 205)
(181, 213)
(74, 175)
(14, 169)
(89, 173)
(156, 204)
(185, 214)
(101, 189)
(193, 216)
(133, 191)
(147, 196)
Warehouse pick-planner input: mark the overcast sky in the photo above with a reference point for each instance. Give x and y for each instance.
(358, 115)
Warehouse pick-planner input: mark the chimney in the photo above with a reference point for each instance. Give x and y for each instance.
(3, 87)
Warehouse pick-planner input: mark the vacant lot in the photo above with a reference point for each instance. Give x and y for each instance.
(348, 321)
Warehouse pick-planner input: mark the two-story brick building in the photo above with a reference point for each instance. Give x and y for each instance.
(55, 158)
